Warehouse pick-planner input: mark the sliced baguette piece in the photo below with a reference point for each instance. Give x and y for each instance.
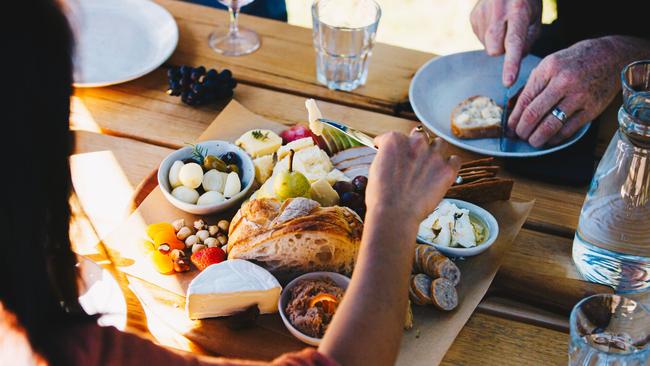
(476, 117)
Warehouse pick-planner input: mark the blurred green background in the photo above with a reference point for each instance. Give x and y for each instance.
(437, 26)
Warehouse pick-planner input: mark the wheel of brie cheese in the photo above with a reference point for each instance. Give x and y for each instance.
(232, 286)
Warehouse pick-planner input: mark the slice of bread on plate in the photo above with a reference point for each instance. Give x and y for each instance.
(476, 117)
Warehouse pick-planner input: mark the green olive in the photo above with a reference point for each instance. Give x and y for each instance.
(212, 162)
(233, 168)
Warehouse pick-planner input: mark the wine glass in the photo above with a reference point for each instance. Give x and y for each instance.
(237, 41)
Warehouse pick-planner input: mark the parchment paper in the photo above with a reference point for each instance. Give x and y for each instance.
(437, 330)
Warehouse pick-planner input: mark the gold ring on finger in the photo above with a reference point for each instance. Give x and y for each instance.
(423, 130)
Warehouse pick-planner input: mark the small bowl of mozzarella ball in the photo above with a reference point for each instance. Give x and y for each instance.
(206, 178)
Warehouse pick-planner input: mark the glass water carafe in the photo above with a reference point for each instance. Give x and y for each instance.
(612, 243)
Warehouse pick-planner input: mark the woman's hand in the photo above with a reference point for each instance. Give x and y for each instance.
(507, 26)
(409, 176)
(580, 80)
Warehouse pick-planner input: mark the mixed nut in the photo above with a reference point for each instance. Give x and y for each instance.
(175, 245)
(201, 235)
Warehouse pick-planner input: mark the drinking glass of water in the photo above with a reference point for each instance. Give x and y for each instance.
(609, 330)
(344, 33)
(236, 41)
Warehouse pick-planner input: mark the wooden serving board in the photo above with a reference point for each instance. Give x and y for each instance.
(164, 295)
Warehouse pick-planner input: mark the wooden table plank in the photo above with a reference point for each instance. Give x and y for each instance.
(540, 271)
(141, 110)
(489, 340)
(286, 59)
(536, 258)
(125, 130)
(105, 172)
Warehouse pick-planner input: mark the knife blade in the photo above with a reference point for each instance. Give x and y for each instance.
(509, 100)
(350, 132)
(360, 137)
(503, 139)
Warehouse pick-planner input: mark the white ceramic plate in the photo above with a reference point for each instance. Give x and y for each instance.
(339, 279)
(120, 40)
(443, 82)
(478, 213)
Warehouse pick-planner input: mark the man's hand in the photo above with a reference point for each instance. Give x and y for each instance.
(507, 26)
(409, 176)
(580, 80)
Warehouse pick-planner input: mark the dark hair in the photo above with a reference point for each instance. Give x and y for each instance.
(37, 267)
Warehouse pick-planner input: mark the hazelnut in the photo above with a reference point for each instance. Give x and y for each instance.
(191, 240)
(199, 224)
(202, 235)
(178, 224)
(197, 247)
(181, 263)
(211, 242)
(224, 225)
(183, 233)
(164, 248)
(222, 239)
(213, 230)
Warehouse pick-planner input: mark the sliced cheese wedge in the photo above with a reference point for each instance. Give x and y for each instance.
(259, 142)
(231, 286)
(295, 145)
(263, 168)
(314, 114)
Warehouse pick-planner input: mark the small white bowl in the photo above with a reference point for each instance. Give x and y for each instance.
(340, 281)
(481, 215)
(217, 148)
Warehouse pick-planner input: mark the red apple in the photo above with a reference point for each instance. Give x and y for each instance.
(298, 132)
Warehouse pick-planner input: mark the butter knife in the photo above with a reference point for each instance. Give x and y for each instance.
(508, 105)
(503, 139)
(360, 137)
(351, 132)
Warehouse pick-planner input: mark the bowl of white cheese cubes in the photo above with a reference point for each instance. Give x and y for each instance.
(459, 229)
(196, 180)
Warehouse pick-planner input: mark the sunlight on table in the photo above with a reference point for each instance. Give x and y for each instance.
(81, 118)
(103, 189)
(436, 26)
(158, 321)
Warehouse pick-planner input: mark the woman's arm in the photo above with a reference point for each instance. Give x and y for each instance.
(409, 177)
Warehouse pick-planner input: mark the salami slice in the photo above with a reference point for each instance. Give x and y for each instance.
(435, 265)
(420, 289)
(444, 295)
(446, 269)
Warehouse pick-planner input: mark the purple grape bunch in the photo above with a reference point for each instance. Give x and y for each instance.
(352, 194)
(198, 86)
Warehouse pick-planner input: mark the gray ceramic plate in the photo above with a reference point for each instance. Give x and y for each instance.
(443, 82)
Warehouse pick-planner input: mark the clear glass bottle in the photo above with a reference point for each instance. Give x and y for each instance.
(612, 243)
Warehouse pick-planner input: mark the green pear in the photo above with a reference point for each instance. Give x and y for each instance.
(290, 184)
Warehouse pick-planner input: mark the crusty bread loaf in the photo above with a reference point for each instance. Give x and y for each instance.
(295, 237)
(476, 117)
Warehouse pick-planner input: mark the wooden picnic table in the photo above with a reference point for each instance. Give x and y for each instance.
(123, 132)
